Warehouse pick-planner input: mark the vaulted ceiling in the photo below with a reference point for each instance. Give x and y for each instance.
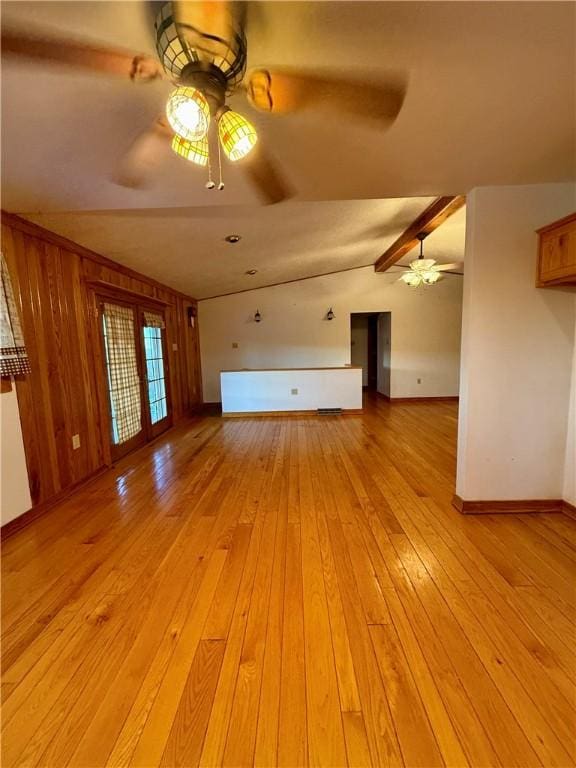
(490, 100)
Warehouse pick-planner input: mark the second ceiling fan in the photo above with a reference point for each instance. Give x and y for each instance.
(426, 271)
(202, 50)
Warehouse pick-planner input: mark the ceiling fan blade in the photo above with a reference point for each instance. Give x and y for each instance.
(207, 26)
(264, 175)
(80, 55)
(144, 155)
(448, 267)
(289, 90)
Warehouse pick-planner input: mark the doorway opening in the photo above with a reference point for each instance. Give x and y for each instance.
(370, 340)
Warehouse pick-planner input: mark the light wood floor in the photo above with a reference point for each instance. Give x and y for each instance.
(289, 591)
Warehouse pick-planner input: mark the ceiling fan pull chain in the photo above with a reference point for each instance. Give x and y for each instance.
(221, 183)
(210, 183)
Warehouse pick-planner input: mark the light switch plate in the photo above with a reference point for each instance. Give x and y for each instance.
(75, 442)
(174, 347)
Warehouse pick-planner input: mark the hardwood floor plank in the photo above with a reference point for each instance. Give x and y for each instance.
(266, 749)
(417, 742)
(356, 742)
(325, 733)
(220, 616)
(217, 731)
(438, 716)
(292, 719)
(325, 506)
(347, 684)
(539, 527)
(157, 729)
(241, 737)
(380, 731)
(184, 744)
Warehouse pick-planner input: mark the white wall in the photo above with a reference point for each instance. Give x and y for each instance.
(294, 390)
(359, 344)
(15, 493)
(517, 349)
(295, 334)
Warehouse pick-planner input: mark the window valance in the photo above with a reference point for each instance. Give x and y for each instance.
(13, 357)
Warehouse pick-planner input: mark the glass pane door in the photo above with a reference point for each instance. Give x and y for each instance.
(155, 365)
(122, 377)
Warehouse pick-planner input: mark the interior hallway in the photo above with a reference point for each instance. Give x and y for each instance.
(289, 590)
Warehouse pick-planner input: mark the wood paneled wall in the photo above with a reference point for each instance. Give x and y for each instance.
(56, 280)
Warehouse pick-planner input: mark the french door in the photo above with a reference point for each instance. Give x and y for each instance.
(134, 349)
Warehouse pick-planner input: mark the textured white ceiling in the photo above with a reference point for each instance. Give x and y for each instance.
(490, 100)
(185, 247)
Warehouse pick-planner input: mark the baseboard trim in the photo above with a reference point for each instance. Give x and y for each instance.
(509, 506)
(211, 409)
(439, 399)
(256, 414)
(28, 517)
(569, 509)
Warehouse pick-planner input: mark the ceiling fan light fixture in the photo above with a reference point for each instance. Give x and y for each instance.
(413, 279)
(430, 277)
(188, 113)
(422, 265)
(195, 151)
(422, 271)
(237, 135)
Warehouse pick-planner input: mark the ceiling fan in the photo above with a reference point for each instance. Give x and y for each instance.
(202, 50)
(426, 271)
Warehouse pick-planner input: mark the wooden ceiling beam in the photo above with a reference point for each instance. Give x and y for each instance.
(429, 220)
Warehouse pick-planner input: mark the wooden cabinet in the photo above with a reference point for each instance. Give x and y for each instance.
(557, 253)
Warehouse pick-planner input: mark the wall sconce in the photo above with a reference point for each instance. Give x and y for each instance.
(330, 315)
(257, 316)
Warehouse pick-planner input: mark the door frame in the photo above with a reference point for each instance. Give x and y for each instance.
(154, 430)
(372, 352)
(138, 303)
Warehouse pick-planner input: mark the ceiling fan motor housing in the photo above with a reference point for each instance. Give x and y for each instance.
(223, 62)
(210, 80)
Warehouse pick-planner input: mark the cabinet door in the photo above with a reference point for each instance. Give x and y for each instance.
(558, 254)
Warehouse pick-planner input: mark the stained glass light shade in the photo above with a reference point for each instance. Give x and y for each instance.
(237, 135)
(188, 113)
(195, 151)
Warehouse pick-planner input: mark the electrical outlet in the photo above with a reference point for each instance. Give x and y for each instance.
(174, 347)
(75, 442)
(294, 391)
(234, 345)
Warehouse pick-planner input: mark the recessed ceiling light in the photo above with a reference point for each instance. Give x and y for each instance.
(232, 238)
(251, 271)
